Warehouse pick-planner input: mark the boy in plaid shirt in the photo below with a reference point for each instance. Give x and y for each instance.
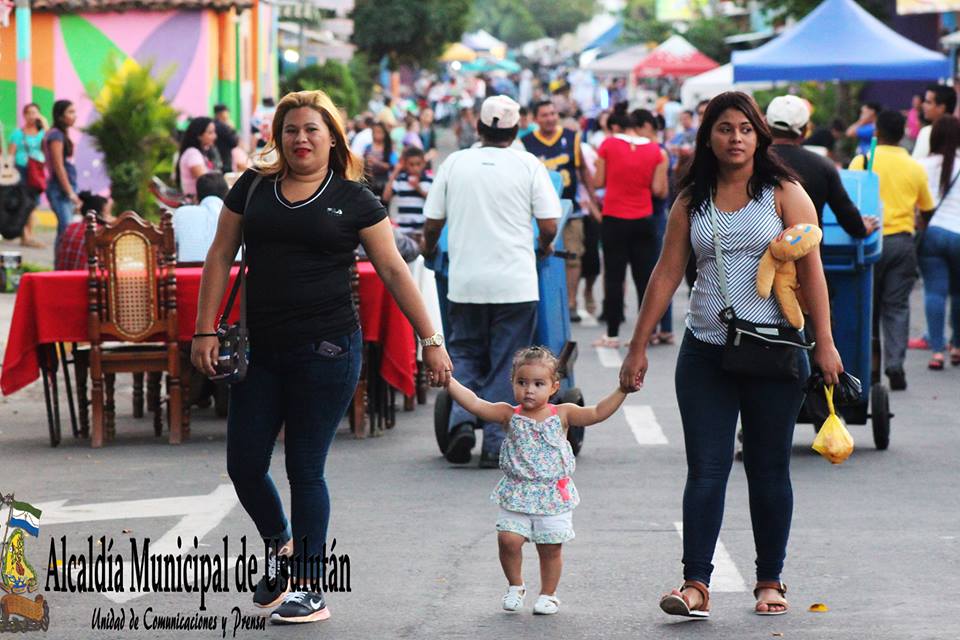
(71, 252)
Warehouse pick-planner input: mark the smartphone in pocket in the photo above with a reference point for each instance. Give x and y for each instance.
(328, 349)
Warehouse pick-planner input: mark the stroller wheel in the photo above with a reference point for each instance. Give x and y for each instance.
(441, 419)
(574, 434)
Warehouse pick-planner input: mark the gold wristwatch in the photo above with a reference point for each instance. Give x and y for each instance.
(435, 340)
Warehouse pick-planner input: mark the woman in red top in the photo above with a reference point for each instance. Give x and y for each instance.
(634, 170)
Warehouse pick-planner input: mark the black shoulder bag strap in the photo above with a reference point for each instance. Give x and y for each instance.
(239, 285)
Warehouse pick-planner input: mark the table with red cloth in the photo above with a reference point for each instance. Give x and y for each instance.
(51, 307)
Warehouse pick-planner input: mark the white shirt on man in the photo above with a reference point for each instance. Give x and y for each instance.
(361, 141)
(947, 214)
(921, 148)
(489, 198)
(194, 226)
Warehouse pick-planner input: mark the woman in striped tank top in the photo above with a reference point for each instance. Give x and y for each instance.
(756, 198)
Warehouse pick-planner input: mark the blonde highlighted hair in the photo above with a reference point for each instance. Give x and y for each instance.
(536, 355)
(343, 162)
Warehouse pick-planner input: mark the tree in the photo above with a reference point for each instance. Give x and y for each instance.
(414, 33)
(708, 35)
(133, 131)
(506, 20)
(640, 24)
(558, 17)
(519, 22)
(332, 77)
(799, 8)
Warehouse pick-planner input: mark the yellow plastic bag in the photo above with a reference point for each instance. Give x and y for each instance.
(833, 441)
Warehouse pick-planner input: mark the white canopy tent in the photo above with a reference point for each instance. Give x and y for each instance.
(713, 82)
(620, 63)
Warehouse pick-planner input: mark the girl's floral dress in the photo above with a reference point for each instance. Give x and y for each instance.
(537, 461)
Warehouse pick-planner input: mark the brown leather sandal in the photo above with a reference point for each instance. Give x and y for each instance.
(781, 601)
(676, 604)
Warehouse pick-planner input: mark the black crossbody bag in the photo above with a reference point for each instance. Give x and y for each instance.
(233, 356)
(759, 350)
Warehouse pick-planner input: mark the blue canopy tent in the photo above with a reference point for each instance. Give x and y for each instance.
(839, 40)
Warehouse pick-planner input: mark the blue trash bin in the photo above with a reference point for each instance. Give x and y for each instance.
(848, 263)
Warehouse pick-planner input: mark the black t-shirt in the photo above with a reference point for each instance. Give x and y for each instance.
(299, 256)
(821, 181)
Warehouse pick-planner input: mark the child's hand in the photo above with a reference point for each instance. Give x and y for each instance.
(633, 371)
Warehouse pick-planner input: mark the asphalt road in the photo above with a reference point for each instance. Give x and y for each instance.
(875, 539)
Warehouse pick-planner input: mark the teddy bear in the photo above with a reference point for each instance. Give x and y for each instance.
(778, 271)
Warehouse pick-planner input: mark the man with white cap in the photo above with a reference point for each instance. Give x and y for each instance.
(788, 117)
(490, 197)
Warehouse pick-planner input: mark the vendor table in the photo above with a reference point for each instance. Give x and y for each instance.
(51, 309)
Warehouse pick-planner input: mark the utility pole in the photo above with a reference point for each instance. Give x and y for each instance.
(303, 33)
(24, 76)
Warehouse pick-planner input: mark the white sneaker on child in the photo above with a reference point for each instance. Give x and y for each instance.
(513, 598)
(546, 605)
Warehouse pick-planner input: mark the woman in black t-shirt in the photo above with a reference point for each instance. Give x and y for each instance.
(301, 226)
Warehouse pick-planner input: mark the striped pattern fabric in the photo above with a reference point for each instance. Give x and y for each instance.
(410, 203)
(744, 236)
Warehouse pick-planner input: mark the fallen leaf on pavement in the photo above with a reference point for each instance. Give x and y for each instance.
(777, 634)
(819, 607)
(126, 531)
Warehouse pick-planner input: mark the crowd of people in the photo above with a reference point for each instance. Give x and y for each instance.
(668, 192)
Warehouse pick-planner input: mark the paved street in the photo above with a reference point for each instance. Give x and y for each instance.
(875, 539)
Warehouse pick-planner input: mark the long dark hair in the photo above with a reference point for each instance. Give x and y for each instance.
(700, 180)
(944, 139)
(619, 117)
(38, 123)
(59, 109)
(191, 137)
(387, 142)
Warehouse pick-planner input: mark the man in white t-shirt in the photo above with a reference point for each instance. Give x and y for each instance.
(195, 225)
(938, 100)
(490, 197)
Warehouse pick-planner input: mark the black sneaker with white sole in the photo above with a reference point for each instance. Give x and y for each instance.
(274, 585)
(301, 606)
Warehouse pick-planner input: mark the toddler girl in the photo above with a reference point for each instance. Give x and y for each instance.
(536, 495)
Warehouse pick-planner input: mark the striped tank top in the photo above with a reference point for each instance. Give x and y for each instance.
(744, 236)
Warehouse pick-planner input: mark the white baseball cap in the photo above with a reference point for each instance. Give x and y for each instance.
(788, 113)
(500, 112)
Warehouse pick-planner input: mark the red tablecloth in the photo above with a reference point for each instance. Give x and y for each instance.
(52, 307)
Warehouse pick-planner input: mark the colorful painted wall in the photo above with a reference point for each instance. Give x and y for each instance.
(211, 57)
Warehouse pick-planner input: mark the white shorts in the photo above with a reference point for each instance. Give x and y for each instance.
(537, 528)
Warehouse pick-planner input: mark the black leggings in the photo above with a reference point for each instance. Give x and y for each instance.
(591, 248)
(626, 241)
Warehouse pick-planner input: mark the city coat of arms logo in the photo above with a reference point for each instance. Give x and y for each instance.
(19, 612)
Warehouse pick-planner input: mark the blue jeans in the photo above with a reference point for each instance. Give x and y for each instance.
(308, 393)
(482, 342)
(661, 212)
(61, 205)
(710, 400)
(940, 266)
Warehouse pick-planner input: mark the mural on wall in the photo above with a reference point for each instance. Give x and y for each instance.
(84, 47)
(71, 52)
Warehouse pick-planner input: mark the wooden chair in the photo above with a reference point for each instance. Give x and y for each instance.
(360, 404)
(132, 296)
